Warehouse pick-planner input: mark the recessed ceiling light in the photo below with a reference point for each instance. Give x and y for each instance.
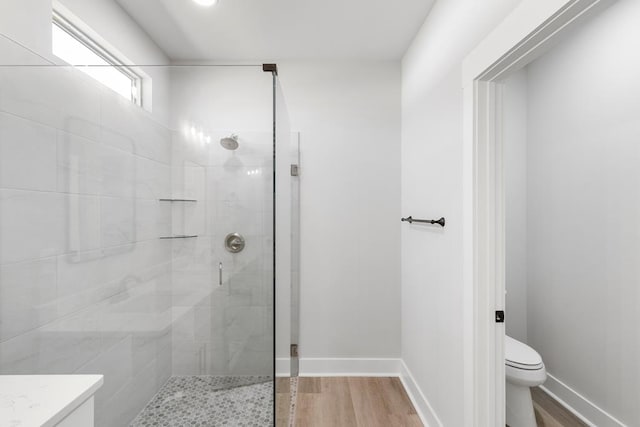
(206, 3)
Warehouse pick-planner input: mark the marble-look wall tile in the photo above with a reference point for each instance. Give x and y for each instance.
(189, 218)
(27, 296)
(31, 225)
(89, 167)
(193, 358)
(60, 97)
(122, 407)
(12, 52)
(27, 154)
(128, 127)
(153, 219)
(82, 223)
(118, 226)
(153, 179)
(164, 358)
(119, 171)
(114, 362)
(56, 348)
(78, 274)
(79, 169)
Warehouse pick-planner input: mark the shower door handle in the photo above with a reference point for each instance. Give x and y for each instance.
(220, 274)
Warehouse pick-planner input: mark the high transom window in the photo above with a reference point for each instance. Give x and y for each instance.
(77, 49)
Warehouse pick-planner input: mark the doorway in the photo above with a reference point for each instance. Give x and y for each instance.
(531, 31)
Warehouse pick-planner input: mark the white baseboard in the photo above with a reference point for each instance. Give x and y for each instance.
(349, 367)
(283, 367)
(579, 405)
(420, 403)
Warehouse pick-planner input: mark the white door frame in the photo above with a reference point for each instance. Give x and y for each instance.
(523, 36)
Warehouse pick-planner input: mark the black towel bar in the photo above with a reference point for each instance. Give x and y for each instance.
(410, 220)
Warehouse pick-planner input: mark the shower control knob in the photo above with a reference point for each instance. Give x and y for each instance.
(234, 243)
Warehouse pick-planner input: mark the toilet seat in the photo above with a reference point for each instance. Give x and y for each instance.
(520, 356)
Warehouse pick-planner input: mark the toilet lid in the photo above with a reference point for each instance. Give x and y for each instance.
(520, 355)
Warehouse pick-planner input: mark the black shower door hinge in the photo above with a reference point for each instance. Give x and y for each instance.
(500, 316)
(294, 350)
(270, 68)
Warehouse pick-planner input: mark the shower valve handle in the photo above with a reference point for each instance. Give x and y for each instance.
(220, 274)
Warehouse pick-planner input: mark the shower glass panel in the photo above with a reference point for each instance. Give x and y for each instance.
(113, 220)
(287, 263)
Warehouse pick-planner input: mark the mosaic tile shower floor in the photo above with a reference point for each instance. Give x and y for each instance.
(207, 401)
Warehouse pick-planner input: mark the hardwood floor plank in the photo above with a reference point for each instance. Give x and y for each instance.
(354, 402)
(549, 413)
(543, 419)
(368, 402)
(327, 404)
(395, 397)
(283, 384)
(337, 405)
(309, 385)
(308, 410)
(412, 420)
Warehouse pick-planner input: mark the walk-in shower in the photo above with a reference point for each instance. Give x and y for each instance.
(114, 220)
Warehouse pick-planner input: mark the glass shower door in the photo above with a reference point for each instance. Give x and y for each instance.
(225, 276)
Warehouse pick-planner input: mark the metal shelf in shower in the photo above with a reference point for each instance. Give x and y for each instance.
(179, 237)
(178, 200)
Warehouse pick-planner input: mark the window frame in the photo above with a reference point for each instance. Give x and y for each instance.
(63, 23)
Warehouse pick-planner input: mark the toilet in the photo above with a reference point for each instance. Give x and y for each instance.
(524, 369)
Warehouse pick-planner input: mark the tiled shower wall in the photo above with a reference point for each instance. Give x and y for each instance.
(85, 281)
(223, 329)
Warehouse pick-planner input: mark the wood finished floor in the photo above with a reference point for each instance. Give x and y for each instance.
(345, 402)
(550, 413)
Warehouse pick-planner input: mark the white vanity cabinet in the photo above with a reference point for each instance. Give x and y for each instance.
(48, 400)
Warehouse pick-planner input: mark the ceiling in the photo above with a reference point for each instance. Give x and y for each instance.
(245, 30)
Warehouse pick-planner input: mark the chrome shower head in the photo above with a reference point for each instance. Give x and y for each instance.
(230, 142)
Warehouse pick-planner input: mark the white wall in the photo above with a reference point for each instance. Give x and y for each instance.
(432, 288)
(515, 163)
(348, 117)
(583, 205)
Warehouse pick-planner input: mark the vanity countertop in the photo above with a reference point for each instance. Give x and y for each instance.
(43, 400)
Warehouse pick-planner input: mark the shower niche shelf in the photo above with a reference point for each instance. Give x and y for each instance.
(182, 210)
